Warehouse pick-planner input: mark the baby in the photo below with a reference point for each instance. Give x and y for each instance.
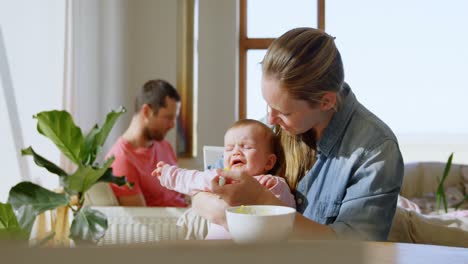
(249, 146)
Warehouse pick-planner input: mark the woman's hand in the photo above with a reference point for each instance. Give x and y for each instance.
(241, 189)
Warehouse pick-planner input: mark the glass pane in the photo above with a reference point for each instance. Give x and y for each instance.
(407, 62)
(271, 18)
(256, 106)
(34, 44)
(10, 166)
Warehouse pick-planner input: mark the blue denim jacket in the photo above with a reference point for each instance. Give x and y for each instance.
(354, 184)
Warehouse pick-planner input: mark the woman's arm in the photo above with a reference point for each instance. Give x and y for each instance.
(210, 207)
(242, 189)
(368, 206)
(306, 229)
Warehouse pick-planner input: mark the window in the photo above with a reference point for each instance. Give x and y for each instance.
(406, 61)
(255, 104)
(260, 22)
(32, 73)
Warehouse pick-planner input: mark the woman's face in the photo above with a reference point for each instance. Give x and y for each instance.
(294, 116)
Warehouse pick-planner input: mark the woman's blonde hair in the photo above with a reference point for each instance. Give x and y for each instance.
(307, 64)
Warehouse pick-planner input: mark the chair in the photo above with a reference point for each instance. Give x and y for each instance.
(211, 155)
(101, 194)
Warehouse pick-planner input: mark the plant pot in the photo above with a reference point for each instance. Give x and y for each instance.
(52, 228)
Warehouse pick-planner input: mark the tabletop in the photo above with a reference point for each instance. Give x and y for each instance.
(402, 253)
(227, 252)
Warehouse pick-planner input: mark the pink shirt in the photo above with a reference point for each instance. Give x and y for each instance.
(137, 164)
(192, 181)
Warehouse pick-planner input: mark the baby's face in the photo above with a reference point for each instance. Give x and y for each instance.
(246, 149)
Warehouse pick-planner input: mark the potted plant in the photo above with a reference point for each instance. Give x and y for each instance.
(441, 199)
(28, 200)
(440, 193)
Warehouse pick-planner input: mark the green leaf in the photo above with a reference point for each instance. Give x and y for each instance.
(7, 216)
(110, 178)
(88, 150)
(29, 200)
(440, 193)
(9, 226)
(42, 162)
(88, 225)
(85, 177)
(111, 118)
(60, 128)
(96, 137)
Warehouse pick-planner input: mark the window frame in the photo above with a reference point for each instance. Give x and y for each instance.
(246, 44)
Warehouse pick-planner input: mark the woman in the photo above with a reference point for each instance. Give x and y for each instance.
(342, 161)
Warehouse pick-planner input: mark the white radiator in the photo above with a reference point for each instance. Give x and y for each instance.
(130, 225)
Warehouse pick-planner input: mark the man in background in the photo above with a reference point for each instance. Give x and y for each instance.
(142, 145)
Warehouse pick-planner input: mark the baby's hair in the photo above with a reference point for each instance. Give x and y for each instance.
(273, 141)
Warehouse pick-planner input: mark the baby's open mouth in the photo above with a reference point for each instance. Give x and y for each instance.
(236, 162)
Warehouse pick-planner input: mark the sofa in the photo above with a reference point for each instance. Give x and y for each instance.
(417, 220)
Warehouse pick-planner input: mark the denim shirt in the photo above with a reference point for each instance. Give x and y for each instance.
(354, 184)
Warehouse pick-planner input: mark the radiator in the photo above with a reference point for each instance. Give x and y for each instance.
(130, 225)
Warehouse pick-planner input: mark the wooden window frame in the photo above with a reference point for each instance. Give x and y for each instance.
(186, 134)
(246, 44)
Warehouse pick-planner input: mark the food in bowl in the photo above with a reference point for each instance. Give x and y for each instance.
(260, 223)
(254, 210)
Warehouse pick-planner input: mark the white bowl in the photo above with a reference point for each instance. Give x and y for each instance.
(260, 223)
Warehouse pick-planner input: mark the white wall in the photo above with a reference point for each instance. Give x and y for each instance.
(152, 44)
(121, 44)
(217, 79)
(117, 46)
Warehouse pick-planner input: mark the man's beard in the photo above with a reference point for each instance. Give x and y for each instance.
(154, 135)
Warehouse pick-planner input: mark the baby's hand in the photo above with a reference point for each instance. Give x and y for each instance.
(268, 181)
(158, 171)
(160, 164)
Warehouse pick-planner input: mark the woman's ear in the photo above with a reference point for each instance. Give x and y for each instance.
(328, 101)
(270, 162)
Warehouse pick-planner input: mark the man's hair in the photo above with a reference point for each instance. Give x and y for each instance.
(273, 142)
(154, 93)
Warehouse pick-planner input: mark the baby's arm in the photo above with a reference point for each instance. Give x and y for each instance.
(184, 181)
(278, 187)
